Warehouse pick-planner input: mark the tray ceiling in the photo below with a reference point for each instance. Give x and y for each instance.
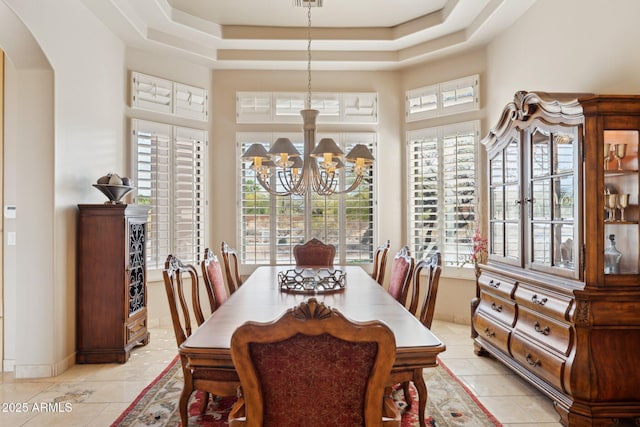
(346, 34)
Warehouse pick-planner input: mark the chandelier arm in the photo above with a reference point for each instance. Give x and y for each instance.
(268, 188)
(291, 186)
(356, 182)
(319, 181)
(285, 180)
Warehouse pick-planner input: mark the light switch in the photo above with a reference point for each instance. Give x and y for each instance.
(11, 238)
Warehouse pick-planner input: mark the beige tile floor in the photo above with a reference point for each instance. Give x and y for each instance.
(99, 393)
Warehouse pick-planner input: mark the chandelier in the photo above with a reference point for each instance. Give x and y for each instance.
(320, 166)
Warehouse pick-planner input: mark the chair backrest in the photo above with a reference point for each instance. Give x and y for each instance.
(212, 276)
(380, 262)
(231, 266)
(433, 267)
(313, 367)
(177, 277)
(401, 272)
(314, 253)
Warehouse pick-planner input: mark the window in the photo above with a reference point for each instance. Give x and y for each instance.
(284, 107)
(442, 191)
(169, 174)
(271, 225)
(446, 98)
(164, 96)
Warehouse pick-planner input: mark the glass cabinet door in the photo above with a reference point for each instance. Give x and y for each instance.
(620, 201)
(505, 198)
(551, 200)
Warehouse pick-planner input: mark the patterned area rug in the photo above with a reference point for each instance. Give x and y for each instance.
(449, 404)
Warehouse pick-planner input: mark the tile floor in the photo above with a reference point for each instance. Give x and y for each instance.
(97, 394)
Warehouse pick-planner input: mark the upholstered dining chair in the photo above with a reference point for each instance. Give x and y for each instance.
(427, 271)
(401, 273)
(231, 266)
(179, 277)
(313, 367)
(212, 277)
(380, 262)
(314, 253)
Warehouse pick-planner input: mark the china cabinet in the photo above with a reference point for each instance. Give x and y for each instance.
(556, 301)
(111, 282)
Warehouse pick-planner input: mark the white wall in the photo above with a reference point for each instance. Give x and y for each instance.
(566, 46)
(60, 144)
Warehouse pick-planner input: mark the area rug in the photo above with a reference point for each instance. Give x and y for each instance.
(449, 404)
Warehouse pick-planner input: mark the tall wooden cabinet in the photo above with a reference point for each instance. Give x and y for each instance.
(555, 303)
(111, 282)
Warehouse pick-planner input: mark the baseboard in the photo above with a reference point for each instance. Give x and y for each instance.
(43, 370)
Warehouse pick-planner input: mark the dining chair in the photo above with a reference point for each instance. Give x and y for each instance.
(427, 271)
(401, 273)
(231, 267)
(178, 278)
(313, 367)
(314, 254)
(212, 277)
(380, 262)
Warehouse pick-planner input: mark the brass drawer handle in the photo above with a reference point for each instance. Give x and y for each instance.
(495, 307)
(493, 284)
(531, 362)
(489, 333)
(543, 331)
(539, 301)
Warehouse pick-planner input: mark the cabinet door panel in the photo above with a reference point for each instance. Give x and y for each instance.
(621, 201)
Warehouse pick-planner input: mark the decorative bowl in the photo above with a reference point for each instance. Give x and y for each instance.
(312, 280)
(114, 192)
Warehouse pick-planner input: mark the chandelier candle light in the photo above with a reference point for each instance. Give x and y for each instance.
(320, 165)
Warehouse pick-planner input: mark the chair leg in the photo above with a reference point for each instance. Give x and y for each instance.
(407, 396)
(184, 404)
(421, 387)
(205, 402)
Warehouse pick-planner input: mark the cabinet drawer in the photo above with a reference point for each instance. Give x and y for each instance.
(543, 301)
(497, 285)
(492, 332)
(136, 328)
(540, 362)
(497, 308)
(554, 334)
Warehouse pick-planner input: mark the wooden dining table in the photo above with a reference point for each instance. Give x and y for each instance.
(260, 299)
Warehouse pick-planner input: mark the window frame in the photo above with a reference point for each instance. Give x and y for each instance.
(156, 259)
(439, 133)
(334, 107)
(438, 91)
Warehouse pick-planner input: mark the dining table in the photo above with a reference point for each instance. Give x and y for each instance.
(261, 299)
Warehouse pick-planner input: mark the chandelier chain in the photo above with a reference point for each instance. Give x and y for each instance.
(309, 56)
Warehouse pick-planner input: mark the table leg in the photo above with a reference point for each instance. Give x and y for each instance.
(421, 388)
